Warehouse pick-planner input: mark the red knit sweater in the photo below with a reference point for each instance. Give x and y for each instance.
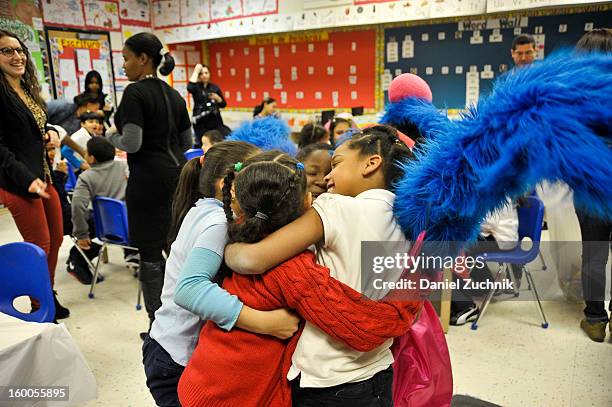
(241, 369)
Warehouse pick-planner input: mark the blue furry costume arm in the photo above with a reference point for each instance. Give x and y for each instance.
(551, 121)
(268, 133)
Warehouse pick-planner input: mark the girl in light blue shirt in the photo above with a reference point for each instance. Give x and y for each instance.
(199, 235)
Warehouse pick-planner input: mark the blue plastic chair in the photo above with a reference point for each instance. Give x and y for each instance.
(193, 153)
(530, 218)
(24, 271)
(111, 223)
(72, 178)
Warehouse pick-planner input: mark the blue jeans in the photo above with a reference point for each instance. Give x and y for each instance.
(374, 392)
(162, 373)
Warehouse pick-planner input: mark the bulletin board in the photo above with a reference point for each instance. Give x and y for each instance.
(316, 70)
(186, 57)
(461, 60)
(72, 56)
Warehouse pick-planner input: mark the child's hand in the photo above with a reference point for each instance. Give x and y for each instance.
(84, 166)
(62, 167)
(52, 138)
(283, 324)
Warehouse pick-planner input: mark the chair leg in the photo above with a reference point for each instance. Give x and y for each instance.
(485, 304)
(542, 260)
(104, 254)
(138, 304)
(537, 297)
(97, 270)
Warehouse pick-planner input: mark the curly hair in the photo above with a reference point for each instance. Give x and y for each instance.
(29, 81)
(270, 189)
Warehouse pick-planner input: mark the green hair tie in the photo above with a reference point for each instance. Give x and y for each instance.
(238, 166)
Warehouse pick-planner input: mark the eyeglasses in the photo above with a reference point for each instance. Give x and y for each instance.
(8, 52)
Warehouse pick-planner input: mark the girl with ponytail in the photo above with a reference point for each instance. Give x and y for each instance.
(153, 127)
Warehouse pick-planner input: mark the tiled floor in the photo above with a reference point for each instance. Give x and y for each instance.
(509, 360)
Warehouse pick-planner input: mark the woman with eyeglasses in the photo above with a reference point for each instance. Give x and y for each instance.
(25, 172)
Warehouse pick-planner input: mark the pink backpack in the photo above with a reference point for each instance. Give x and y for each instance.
(422, 372)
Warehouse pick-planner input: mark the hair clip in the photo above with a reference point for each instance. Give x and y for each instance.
(238, 166)
(163, 51)
(262, 216)
(299, 166)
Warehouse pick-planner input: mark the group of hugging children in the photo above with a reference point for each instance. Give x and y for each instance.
(253, 351)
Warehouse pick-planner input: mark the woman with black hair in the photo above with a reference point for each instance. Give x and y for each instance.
(266, 108)
(26, 186)
(94, 85)
(153, 127)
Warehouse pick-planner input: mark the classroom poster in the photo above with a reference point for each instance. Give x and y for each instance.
(254, 7)
(225, 9)
(135, 11)
(166, 13)
(102, 14)
(195, 11)
(64, 13)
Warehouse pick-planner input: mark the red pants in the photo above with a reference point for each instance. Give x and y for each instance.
(39, 221)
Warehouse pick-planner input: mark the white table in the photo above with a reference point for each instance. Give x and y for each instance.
(43, 354)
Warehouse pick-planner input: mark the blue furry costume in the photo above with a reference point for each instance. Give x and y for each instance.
(551, 121)
(267, 133)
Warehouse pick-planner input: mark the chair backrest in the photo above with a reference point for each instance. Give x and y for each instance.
(71, 180)
(531, 216)
(24, 271)
(193, 153)
(111, 221)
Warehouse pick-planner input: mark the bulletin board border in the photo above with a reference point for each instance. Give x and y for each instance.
(379, 47)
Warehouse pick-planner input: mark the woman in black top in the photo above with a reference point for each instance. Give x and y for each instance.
(207, 99)
(25, 172)
(153, 127)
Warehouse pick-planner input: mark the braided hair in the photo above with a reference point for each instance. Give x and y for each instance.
(382, 140)
(270, 189)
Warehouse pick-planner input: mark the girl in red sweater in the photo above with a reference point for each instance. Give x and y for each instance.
(239, 368)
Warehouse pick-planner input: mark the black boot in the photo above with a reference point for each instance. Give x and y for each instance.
(61, 312)
(151, 276)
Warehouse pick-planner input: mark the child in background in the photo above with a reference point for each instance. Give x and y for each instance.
(241, 368)
(93, 84)
(211, 137)
(312, 134)
(337, 128)
(317, 163)
(91, 126)
(59, 176)
(107, 178)
(199, 226)
(358, 208)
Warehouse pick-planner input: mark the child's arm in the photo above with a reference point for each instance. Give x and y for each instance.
(341, 312)
(196, 292)
(81, 198)
(281, 245)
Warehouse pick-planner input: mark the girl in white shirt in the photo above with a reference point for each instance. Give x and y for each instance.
(358, 207)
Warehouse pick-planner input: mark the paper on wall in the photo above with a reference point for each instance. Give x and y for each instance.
(335, 99)
(70, 83)
(386, 79)
(330, 48)
(408, 47)
(262, 59)
(238, 96)
(330, 70)
(193, 58)
(354, 95)
(276, 51)
(318, 95)
(283, 97)
(353, 79)
(179, 74)
(311, 70)
(83, 60)
(179, 57)
(472, 88)
(353, 69)
(294, 75)
(392, 51)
